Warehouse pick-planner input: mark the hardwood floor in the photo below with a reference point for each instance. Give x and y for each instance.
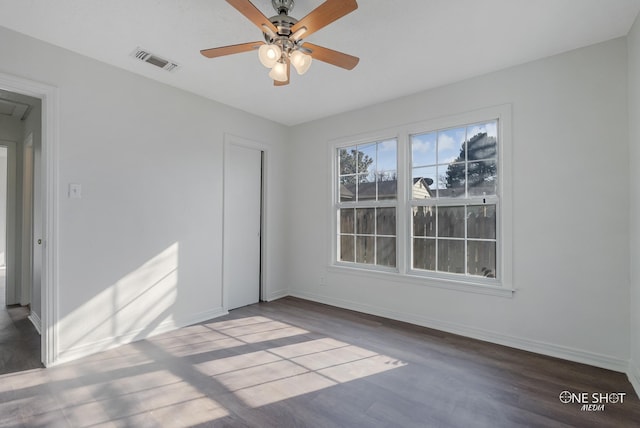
(294, 363)
(19, 340)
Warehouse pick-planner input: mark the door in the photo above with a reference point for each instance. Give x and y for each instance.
(242, 225)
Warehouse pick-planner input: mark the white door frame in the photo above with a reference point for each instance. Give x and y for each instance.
(230, 139)
(49, 287)
(27, 236)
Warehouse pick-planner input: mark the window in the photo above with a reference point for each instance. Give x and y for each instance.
(454, 200)
(368, 192)
(431, 204)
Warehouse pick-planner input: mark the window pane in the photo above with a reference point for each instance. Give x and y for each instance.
(490, 128)
(387, 156)
(346, 156)
(451, 145)
(357, 159)
(387, 185)
(386, 221)
(423, 149)
(424, 221)
(386, 252)
(452, 179)
(364, 249)
(347, 253)
(481, 258)
(482, 178)
(367, 158)
(366, 187)
(451, 222)
(424, 183)
(450, 256)
(424, 253)
(482, 141)
(347, 218)
(347, 188)
(365, 221)
(481, 222)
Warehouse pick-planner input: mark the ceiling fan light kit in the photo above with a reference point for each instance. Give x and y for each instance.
(269, 55)
(279, 72)
(283, 34)
(301, 61)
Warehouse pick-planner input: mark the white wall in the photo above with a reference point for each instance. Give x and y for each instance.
(570, 210)
(12, 132)
(633, 46)
(141, 251)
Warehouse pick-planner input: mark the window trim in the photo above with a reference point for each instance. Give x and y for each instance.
(403, 272)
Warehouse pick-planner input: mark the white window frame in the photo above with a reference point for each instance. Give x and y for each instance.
(404, 273)
(336, 205)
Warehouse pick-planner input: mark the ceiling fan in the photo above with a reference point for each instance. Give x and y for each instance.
(283, 34)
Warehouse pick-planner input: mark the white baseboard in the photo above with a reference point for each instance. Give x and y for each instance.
(276, 295)
(549, 349)
(133, 336)
(35, 320)
(634, 376)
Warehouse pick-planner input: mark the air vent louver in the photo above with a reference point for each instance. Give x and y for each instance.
(152, 59)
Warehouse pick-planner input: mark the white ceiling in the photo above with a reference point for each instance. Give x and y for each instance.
(404, 45)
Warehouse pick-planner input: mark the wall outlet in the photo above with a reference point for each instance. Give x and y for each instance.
(323, 280)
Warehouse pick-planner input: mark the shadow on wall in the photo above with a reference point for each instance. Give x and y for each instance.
(138, 304)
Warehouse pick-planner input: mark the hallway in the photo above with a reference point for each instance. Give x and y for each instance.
(19, 340)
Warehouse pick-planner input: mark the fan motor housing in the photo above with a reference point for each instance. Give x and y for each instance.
(283, 23)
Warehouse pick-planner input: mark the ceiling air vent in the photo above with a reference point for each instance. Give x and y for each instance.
(152, 59)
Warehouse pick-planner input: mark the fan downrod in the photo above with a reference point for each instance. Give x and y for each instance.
(282, 6)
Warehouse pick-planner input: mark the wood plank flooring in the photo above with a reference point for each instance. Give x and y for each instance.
(294, 363)
(19, 340)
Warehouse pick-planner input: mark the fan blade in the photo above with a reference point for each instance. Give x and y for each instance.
(286, 82)
(332, 57)
(232, 49)
(253, 14)
(324, 15)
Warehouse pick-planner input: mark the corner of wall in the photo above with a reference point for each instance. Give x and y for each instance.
(633, 84)
(634, 376)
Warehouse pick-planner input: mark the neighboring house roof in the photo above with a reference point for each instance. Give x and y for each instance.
(346, 193)
(387, 189)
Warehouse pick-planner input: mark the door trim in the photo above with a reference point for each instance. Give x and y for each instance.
(50, 146)
(26, 235)
(229, 140)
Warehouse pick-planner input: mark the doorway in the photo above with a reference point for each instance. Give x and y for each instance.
(44, 127)
(20, 341)
(243, 224)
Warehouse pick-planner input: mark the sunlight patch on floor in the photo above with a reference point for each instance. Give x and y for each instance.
(267, 376)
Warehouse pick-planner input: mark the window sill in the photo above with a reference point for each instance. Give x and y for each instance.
(414, 279)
